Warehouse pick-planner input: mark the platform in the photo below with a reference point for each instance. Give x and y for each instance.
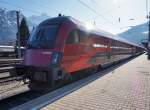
(124, 88)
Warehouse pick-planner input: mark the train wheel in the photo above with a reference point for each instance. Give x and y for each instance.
(68, 78)
(64, 78)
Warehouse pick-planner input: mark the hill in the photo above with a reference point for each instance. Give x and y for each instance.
(8, 25)
(136, 34)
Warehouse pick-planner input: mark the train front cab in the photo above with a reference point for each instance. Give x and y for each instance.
(43, 57)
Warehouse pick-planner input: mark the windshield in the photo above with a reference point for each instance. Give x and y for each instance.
(43, 37)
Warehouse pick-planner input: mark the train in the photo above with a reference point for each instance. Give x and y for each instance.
(60, 47)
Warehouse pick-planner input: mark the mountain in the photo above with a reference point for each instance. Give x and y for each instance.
(8, 25)
(136, 34)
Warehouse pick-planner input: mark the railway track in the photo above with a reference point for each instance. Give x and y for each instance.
(8, 79)
(6, 64)
(9, 62)
(7, 83)
(11, 86)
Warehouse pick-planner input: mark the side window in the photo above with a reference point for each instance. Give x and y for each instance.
(73, 37)
(83, 36)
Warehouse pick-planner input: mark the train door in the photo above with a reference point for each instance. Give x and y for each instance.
(99, 49)
(133, 50)
(109, 51)
(72, 52)
(114, 50)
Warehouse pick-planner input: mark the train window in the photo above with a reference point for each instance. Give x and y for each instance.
(83, 36)
(73, 37)
(43, 37)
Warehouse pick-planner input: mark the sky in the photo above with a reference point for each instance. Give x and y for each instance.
(103, 14)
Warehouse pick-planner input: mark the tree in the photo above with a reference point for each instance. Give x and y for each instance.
(24, 32)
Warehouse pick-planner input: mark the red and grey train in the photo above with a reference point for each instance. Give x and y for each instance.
(61, 46)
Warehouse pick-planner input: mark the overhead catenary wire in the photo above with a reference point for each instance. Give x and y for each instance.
(80, 1)
(106, 12)
(30, 10)
(94, 11)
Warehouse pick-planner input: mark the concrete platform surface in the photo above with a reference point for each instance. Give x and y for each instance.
(125, 88)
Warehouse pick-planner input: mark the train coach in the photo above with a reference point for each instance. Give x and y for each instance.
(60, 47)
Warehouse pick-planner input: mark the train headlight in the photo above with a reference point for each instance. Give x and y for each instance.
(56, 58)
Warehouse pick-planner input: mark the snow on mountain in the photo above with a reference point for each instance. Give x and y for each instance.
(136, 34)
(8, 25)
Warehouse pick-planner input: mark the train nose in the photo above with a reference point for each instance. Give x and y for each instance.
(37, 57)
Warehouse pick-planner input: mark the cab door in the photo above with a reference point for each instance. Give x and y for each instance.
(72, 52)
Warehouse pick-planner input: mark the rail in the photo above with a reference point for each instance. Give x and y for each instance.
(7, 64)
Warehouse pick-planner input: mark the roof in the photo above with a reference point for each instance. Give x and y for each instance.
(55, 20)
(104, 33)
(81, 25)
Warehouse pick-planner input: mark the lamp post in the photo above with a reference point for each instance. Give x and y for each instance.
(149, 37)
(18, 36)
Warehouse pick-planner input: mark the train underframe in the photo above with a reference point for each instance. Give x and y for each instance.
(40, 76)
